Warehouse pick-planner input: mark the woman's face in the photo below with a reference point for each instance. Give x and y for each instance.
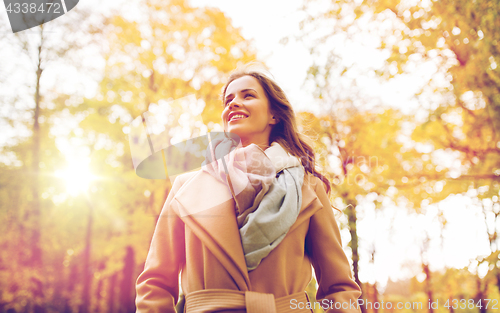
(247, 112)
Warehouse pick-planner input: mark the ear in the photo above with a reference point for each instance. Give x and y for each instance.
(273, 121)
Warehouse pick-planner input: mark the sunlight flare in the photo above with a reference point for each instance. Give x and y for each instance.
(77, 176)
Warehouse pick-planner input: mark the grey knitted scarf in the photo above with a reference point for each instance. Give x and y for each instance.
(267, 189)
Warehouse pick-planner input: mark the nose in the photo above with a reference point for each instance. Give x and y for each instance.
(230, 107)
(233, 103)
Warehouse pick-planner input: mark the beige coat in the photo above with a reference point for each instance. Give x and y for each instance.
(206, 246)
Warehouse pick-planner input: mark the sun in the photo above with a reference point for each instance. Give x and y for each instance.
(77, 176)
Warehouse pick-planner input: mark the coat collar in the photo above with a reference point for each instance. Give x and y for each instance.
(280, 158)
(207, 207)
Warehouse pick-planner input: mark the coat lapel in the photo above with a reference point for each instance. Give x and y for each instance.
(207, 207)
(310, 202)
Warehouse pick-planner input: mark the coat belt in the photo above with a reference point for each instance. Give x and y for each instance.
(214, 300)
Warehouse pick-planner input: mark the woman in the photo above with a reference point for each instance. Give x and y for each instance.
(245, 229)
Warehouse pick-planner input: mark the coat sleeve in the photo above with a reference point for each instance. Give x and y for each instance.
(157, 287)
(332, 269)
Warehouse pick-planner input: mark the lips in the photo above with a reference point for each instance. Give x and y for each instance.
(234, 116)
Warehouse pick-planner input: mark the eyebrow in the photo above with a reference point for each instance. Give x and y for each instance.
(241, 91)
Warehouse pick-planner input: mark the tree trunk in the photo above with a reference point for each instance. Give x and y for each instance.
(498, 278)
(111, 293)
(480, 295)
(74, 276)
(87, 273)
(34, 214)
(127, 283)
(428, 286)
(98, 297)
(375, 296)
(452, 310)
(352, 220)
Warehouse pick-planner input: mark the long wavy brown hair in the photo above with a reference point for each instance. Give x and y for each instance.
(285, 131)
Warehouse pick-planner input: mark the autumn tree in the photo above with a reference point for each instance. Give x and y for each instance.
(365, 156)
(461, 39)
(92, 244)
(170, 51)
(31, 153)
(456, 43)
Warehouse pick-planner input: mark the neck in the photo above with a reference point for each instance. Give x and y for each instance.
(263, 146)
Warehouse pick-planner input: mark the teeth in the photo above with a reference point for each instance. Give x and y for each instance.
(237, 116)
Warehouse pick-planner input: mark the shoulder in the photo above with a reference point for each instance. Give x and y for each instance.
(314, 182)
(182, 178)
(179, 181)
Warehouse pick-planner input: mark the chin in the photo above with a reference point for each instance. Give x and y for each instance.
(236, 132)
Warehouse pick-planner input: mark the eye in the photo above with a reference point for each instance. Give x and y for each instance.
(249, 95)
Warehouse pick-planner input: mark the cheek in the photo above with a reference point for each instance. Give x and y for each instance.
(262, 114)
(224, 115)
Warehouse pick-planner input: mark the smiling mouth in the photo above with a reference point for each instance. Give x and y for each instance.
(237, 117)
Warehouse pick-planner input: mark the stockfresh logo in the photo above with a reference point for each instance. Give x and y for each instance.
(25, 14)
